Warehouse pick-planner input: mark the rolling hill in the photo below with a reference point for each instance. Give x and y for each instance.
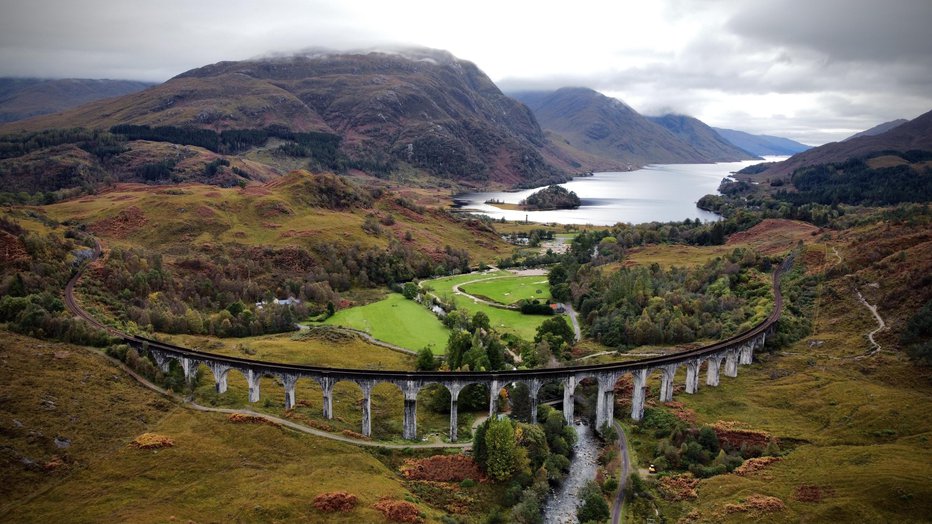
(22, 98)
(915, 134)
(422, 108)
(761, 145)
(878, 129)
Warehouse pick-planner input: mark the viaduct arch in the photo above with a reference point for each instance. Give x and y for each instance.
(723, 356)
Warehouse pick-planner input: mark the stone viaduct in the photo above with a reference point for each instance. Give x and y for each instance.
(732, 352)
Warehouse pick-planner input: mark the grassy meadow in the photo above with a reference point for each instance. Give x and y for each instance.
(511, 289)
(396, 320)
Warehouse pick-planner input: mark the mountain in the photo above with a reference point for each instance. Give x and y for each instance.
(703, 138)
(915, 134)
(761, 145)
(22, 98)
(879, 128)
(421, 107)
(606, 128)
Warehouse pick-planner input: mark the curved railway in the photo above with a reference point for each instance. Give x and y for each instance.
(732, 351)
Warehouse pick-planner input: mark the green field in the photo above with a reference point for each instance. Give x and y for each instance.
(510, 290)
(397, 321)
(504, 320)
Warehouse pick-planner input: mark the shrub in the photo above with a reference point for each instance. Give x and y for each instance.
(152, 441)
(442, 468)
(398, 510)
(335, 501)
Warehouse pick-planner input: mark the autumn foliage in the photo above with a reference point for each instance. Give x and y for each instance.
(152, 441)
(755, 464)
(335, 501)
(240, 418)
(442, 468)
(398, 510)
(680, 487)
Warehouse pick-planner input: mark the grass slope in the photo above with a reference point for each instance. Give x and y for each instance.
(397, 321)
(217, 471)
(510, 290)
(304, 348)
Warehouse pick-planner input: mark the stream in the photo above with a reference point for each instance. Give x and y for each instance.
(561, 506)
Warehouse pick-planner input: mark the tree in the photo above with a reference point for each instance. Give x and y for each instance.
(593, 507)
(425, 360)
(558, 327)
(481, 321)
(409, 290)
(520, 399)
(500, 447)
(457, 345)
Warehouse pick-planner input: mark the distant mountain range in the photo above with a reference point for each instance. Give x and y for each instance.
(703, 138)
(22, 98)
(762, 145)
(914, 134)
(611, 134)
(878, 129)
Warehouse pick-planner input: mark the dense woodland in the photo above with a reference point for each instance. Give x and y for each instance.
(633, 306)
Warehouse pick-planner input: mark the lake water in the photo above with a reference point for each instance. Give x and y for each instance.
(661, 193)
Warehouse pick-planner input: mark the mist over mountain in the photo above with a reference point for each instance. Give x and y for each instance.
(761, 145)
(423, 107)
(22, 98)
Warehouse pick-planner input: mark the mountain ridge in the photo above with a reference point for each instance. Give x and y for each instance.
(702, 137)
(425, 108)
(914, 134)
(22, 98)
(606, 128)
(762, 145)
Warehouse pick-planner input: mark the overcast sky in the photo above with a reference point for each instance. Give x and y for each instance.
(812, 70)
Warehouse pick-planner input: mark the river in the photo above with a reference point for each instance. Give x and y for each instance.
(661, 193)
(561, 506)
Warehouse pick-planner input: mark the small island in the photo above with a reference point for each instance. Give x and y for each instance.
(551, 197)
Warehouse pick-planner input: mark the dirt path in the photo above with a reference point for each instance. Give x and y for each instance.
(189, 404)
(881, 325)
(623, 478)
(575, 321)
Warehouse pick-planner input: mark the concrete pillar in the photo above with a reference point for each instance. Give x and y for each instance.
(161, 360)
(494, 390)
(533, 387)
(252, 378)
(692, 376)
(220, 376)
(731, 363)
(289, 381)
(666, 382)
(189, 367)
(410, 414)
(366, 386)
(455, 389)
(714, 363)
(637, 396)
(326, 385)
(747, 353)
(569, 398)
(605, 401)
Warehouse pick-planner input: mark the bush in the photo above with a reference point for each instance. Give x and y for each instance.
(335, 501)
(398, 510)
(593, 507)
